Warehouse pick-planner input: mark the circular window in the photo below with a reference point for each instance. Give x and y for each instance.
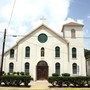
(42, 38)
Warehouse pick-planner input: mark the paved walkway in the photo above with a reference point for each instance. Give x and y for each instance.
(40, 84)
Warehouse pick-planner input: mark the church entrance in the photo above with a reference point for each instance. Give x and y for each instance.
(42, 70)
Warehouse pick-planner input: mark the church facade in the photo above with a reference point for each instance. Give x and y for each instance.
(44, 52)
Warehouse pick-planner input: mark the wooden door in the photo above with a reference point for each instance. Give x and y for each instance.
(42, 72)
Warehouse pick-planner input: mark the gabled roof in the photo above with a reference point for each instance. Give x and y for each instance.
(41, 26)
(71, 24)
(11, 48)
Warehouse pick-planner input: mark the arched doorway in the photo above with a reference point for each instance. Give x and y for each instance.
(42, 70)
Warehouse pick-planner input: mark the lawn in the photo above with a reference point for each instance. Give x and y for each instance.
(76, 88)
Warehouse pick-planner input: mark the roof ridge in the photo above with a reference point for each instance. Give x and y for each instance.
(73, 23)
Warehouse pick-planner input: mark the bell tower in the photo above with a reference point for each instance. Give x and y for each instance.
(73, 32)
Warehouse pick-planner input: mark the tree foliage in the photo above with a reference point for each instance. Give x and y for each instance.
(87, 53)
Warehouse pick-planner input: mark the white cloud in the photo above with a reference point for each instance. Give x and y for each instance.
(88, 16)
(72, 20)
(27, 14)
(80, 21)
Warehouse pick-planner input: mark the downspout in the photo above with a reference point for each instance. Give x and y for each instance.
(17, 54)
(68, 52)
(86, 66)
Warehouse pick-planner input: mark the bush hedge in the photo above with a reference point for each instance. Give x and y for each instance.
(78, 81)
(66, 74)
(15, 79)
(55, 74)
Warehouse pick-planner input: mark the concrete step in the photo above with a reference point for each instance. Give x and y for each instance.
(40, 85)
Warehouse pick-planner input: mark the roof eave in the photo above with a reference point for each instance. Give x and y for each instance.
(71, 25)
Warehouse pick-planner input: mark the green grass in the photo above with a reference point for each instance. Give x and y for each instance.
(76, 89)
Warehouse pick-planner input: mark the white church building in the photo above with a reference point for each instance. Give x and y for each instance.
(43, 52)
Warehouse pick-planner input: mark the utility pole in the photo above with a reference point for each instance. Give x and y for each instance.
(3, 48)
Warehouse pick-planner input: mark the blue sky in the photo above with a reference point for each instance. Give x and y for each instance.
(80, 9)
(27, 14)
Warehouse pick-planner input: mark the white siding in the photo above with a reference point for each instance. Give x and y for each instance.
(53, 41)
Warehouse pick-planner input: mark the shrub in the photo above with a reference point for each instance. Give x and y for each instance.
(26, 80)
(53, 80)
(3, 72)
(15, 80)
(14, 73)
(55, 74)
(22, 73)
(80, 81)
(60, 81)
(18, 73)
(65, 74)
(66, 80)
(74, 81)
(8, 73)
(88, 80)
(26, 73)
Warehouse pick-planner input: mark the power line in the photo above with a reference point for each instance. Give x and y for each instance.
(11, 14)
(18, 35)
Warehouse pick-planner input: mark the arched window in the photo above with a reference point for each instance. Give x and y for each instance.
(27, 51)
(74, 66)
(74, 52)
(73, 33)
(42, 52)
(57, 68)
(27, 67)
(12, 53)
(57, 51)
(11, 67)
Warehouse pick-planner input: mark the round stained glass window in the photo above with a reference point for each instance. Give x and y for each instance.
(42, 38)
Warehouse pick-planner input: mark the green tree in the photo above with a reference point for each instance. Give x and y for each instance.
(87, 53)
